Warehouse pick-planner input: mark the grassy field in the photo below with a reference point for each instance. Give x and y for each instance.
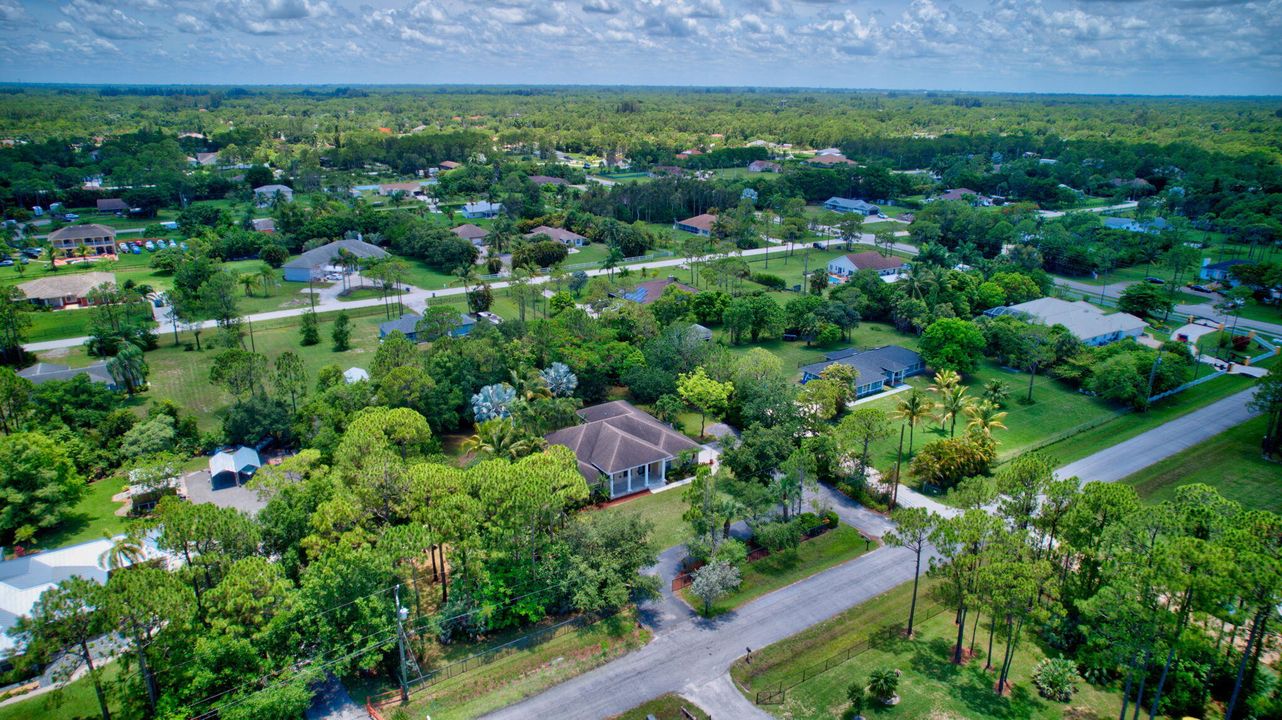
(782, 569)
(930, 686)
(1229, 462)
(1128, 425)
(92, 517)
(664, 707)
(75, 701)
(522, 673)
(664, 510)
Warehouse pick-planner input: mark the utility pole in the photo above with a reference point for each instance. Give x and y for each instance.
(401, 614)
(899, 457)
(1152, 375)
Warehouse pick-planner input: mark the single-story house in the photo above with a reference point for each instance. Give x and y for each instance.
(847, 265)
(98, 239)
(831, 160)
(697, 225)
(265, 194)
(264, 225)
(471, 233)
(112, 205)
(971, 196)
(64, 289)
(621, 449)
(850, 205)
(828, 151)
(1085, 321)
(482, 209)
(23, 580)
(561, 235)
(314, 263)
(233, 466)
(206, 159)
(647, 292)
(542, 180)
(44, 372)
(450, 165)
(879, 368)
(1220, 271)
(354, 375)
(1155, 225)
(407, 188)
(407, 325)
(701, 332)
(757, 166)
(661, 170)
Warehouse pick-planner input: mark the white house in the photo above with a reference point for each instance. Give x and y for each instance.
(850, 205)
(847, 265)
(265, 194)
(1085, 321)
(482, 209)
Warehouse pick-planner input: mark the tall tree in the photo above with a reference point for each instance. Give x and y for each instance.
(69, 616)
(913, 528)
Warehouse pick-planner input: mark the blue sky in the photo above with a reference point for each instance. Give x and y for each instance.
(1083, 46)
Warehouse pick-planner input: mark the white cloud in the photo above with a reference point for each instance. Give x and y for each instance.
(190, 24)
(105, 20)
(12, 12)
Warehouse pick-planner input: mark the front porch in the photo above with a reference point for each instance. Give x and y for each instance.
(636, 479)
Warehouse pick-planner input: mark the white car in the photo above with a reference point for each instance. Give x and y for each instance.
(490, 316)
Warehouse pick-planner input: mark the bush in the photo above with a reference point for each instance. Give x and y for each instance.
(1056, 679)
(774, 282)
(731, 551)
(778, 536)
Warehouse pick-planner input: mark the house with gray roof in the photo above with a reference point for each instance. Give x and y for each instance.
(96, 239)
(112, 205)
(44, 372)
(407, 325)
(850, 205)
(65, 289)
(264, 195)
(481, 209)
(878, 368)
(1221, 272)
(314, 263)
(561, 235)
(1153, 226)
(621, 449)
(233, 466)
(1085, 321)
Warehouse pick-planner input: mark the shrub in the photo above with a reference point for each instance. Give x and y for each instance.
(778, 536)
(731, 551)
(774, 282)
(1056, 679)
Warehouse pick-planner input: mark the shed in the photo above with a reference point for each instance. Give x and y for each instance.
(233, 465)
(354, 375)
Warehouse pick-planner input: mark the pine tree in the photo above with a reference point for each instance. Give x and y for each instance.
(309, 332)
(342, 333)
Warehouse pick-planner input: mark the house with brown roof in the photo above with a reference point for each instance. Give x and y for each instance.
(561, 235)
(621, 449)
(661, 170)
(264, 225)
(830, 161)
(697, 225)
(971, 196)
(407, 188)
(112, 205)
(885, 265)
(757, 166)
(645, 293)
(64, 288)
(97, 239)
(450, 165)
(471, 233)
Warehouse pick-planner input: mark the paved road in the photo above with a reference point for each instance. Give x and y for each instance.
(1128, 457)
(416, 298)
(1205, 310)
(691, 657)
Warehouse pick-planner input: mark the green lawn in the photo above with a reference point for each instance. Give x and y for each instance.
(1129, 425)
(522, 673)
(781, 569)
(58, 324)
(664, 707)
(930, 686)
(93, 515)
(664, 510)
(75, 701)
(1230, 462)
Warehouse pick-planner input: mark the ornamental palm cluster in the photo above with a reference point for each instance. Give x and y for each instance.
(493, 401)
(560, 379)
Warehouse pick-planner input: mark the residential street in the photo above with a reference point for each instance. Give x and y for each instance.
(691, 656)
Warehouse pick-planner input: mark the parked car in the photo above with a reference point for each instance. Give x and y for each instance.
(490, 316)
(1155, 280)
(817, 245)
(7, 262)
(71, 217)
(1200, 288)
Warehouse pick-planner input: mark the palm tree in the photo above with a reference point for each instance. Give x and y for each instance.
(248, 281)
(953, 402)
(267, 278)
(466, 276)
(996, 392)
(500, 438)
(124, 551)
(529, 384)
(883, 683)
(985, 417)
(945, 380)
(913, 408)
